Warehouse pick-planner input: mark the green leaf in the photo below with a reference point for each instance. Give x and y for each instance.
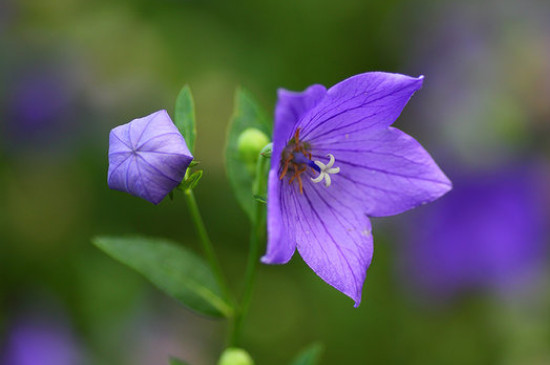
(185, 117)
(173, 269)
(310, 356)
(247, 114)
(176, 361)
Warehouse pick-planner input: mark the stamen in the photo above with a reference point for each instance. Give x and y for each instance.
(296, 157)
(285, 168)
(326, 171)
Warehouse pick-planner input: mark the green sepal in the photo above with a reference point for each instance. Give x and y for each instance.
(191, 182)
(247, 114)
(176, 361)
(185, 117)
(260, 198)
(172, 268)
(311, 355)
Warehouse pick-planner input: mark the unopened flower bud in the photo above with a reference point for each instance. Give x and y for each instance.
(235, 356)
(250, 144)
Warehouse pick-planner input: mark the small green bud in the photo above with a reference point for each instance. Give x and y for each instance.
(235, 356)
(250, 144)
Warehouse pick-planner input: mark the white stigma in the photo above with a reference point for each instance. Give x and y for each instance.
(326, 171)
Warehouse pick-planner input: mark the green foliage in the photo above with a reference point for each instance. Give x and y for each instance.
(176, 361)
(185, 117)
(247, 114)
(310, 356)
(172, 268)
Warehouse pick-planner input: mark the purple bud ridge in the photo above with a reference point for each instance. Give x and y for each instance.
(148, 157)
(342, 137)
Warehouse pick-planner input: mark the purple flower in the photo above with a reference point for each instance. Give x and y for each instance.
(148, 157)
(490, 232)
(336, 161)
(39, 341)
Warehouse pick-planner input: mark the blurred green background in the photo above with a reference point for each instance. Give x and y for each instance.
(70, 70)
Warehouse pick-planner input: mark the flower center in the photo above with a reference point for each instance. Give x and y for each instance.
(296, 158)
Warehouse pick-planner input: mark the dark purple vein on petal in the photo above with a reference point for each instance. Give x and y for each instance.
(343, 257)
(391, 173)
(143, 182)
(157, 170)
(328, 192)
(144, 129)
(117, 166)
(363, 119)
(155, 137)
(119, 153)
(332, 211)
(300, 221)
(365, 102)
(127, 172)
(121, 141)
(165, 153)
(327, 109)
(130, 136)
(359, 152)
(374, 187)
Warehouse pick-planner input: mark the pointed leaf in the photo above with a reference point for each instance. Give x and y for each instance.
(310, 356)
(173, 269)
(247, 114)
(185, 117)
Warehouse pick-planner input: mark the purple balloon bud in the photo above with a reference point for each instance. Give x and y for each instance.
(148, 157)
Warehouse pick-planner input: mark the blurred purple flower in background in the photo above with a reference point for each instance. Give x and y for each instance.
(490, 232)
(40, 109)
(148, 157)
(342, 137)
(37, 340)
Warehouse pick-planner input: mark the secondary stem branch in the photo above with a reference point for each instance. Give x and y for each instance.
(206, 244)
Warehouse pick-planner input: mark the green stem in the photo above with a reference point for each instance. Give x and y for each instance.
(206, 244)
(257, 238)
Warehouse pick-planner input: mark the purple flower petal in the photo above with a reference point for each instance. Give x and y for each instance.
(148, 157)
(367, 101)
(291, 107)
(333, 236)
(368, 169)
(281, 245)
(386, 170)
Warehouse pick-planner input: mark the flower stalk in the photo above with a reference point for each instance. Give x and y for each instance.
(207, 246)
(257, 238)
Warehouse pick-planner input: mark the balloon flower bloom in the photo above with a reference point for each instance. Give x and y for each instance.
(148, 157)
(335, 162)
